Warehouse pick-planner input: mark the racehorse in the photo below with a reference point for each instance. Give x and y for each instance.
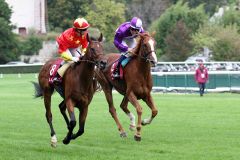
(78, 87)
(136, 83)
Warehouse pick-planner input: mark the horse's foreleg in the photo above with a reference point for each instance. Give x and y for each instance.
(112, 111)
(62, 106)
(151, 105)
(124, 106)
(132, 98)
(47, 103)
(72, 123)
(82, 118)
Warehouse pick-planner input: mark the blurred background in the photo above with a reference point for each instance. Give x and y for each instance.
(186, 30)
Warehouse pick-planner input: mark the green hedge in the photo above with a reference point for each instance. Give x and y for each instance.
(20, 69)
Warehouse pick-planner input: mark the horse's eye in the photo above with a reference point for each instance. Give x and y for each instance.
(92, 49)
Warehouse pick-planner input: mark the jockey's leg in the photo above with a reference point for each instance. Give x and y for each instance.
(63, 69)
(117, 69)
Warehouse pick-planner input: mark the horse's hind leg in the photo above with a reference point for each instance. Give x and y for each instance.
(82, 118)
(62, 106)
(47, 103)
(70, 107)
(151, 105)
(124, 106)
(112, 110)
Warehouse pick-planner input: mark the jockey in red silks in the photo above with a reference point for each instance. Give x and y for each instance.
(69, 44)
(125, 40)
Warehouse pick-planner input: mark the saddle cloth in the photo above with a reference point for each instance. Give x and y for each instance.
(54, 68)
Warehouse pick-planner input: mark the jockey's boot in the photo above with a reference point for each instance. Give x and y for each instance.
(57, 79)
(116, 73)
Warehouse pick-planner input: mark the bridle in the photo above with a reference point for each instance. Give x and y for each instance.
(96, 63)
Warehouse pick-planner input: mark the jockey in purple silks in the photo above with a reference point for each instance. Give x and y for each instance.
(125, 40)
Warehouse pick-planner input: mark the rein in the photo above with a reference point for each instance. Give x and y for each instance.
(98, 64)
(144, 57)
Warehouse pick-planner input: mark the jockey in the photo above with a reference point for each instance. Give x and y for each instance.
(69, 43)
(125, 40)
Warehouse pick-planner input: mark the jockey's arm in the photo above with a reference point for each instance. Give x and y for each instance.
(68, 57)
(83, 51)
(118, 43)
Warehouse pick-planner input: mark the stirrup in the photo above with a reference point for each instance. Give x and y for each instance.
(57, 80)
(116, 75)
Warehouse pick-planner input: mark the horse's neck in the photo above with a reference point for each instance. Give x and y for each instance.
(143, 67)
(86, 71)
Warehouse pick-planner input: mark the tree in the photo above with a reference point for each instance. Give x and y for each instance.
(227, 45)
(62, 13)
(8, 42)
(179, 45)
(148, 10)
(31, 45)
(210, 6)
(105, 15)
(223, 41)
(193, 19)
(231, 17)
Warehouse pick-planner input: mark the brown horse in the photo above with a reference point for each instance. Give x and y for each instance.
(136, 84)
(78, 87)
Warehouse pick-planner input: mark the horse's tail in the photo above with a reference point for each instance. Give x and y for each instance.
(38, 90)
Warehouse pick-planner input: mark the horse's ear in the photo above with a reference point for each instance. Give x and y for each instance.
(100, 38)
(153, 33)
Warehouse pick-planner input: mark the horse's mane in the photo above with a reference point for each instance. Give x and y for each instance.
(140, 38)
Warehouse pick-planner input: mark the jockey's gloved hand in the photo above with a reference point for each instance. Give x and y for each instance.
(75, 59)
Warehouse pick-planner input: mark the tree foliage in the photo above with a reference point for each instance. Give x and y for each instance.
(105, 15)
(148, 10)
(192, 18)
(210, 6)
(179, 46)
(8, 42)
(62, 13)
(30, 45)
(231, 17)
(223, 41)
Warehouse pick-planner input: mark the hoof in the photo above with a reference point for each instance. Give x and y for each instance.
(54, 141)
(145, 122)
(132, 127)
(137, 138)
(73, 136)
(54, 145)
(66, 141)
(123, 134)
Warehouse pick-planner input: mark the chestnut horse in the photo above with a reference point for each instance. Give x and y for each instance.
(78, 87)
(136, 83)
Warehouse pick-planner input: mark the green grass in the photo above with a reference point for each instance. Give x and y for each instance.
(187, 127)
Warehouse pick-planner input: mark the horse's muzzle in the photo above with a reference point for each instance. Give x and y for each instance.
(153, 63)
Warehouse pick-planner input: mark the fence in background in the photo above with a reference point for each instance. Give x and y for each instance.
(221, 80)
(218, 81)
